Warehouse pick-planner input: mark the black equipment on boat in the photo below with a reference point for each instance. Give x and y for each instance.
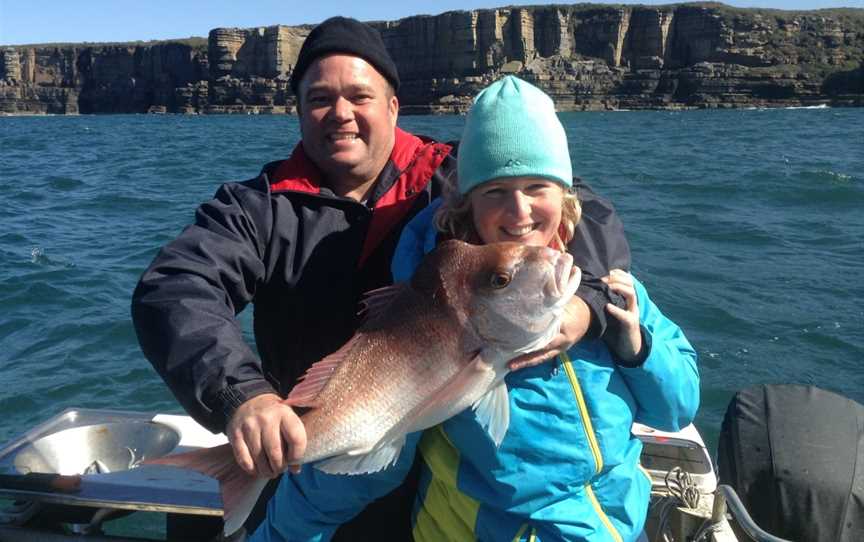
(795, 456)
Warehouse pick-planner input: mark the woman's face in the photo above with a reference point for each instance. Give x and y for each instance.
(522, 209)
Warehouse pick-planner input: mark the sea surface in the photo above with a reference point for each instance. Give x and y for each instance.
(747, 227)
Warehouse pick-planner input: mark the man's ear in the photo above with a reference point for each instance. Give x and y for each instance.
(393, 107)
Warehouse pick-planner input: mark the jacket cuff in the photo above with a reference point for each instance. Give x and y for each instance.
(641, 356)
(596, 302)
(229, 399)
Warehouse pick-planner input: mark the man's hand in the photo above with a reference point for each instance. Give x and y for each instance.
(574, 325)
(267, 436)
(629, 346)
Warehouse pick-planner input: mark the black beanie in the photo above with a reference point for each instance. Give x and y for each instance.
(345, 35)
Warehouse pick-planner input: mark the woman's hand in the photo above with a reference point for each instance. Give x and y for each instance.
(574, 325)
(630, 343)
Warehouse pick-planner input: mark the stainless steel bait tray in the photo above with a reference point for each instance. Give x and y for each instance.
(106, 447)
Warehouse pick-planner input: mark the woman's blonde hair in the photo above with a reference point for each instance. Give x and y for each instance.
(454, 217)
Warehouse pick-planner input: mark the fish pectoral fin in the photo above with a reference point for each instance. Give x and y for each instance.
(380, 457)
(493, 412)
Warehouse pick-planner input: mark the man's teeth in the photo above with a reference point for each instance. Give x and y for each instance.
(343, 137)
(523, 230)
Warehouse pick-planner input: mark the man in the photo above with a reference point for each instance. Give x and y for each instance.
(302, 242)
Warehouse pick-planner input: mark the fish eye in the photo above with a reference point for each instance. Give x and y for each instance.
(499, 280)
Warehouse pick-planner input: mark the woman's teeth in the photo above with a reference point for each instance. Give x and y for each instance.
(343, 137)
(522, 230)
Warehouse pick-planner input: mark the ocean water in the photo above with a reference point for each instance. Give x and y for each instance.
(746, 227)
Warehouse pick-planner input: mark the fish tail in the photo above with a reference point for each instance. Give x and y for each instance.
(239, 490)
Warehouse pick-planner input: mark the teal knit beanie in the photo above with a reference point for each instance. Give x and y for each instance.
(512, 131)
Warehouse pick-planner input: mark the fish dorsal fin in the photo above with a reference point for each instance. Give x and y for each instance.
(316, 377)
(493, 412)
(375, 302)
(378, 458)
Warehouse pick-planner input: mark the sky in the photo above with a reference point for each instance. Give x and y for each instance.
(65, 21)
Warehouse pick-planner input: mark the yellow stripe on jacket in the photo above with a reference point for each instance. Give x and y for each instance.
(446, 514)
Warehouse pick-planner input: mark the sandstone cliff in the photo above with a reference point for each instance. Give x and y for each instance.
(586, 56)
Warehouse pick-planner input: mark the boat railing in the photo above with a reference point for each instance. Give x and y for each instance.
(725, 498)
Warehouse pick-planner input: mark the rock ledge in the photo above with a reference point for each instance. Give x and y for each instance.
(587, 57)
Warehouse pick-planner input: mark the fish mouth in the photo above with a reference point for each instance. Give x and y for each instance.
(565, 279)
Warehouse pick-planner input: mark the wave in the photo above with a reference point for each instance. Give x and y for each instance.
(820, 106)
(40, 258)
(64, 183)
(828, 176)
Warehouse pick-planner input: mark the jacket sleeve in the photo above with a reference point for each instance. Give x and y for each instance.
(185, 304)
(666, 385)
(310, 506)
(598, 246)
(418, 239)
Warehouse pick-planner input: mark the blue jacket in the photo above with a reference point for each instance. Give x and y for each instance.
(567, 469)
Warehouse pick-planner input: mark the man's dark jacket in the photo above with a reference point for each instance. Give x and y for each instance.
(303, 256)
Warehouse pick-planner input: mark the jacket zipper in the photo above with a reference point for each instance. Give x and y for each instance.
(583, 412)
(532, 536)
(592, 443)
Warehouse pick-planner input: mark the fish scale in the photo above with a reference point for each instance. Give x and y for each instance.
(349, 417)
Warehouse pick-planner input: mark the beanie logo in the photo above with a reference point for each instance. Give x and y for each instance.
(513, 163)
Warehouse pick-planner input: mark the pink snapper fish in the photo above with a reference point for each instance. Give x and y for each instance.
(428, 349)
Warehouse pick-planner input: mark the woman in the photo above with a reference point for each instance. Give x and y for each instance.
(568, 468)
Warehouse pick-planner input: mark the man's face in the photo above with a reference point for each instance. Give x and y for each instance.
(347, 118)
